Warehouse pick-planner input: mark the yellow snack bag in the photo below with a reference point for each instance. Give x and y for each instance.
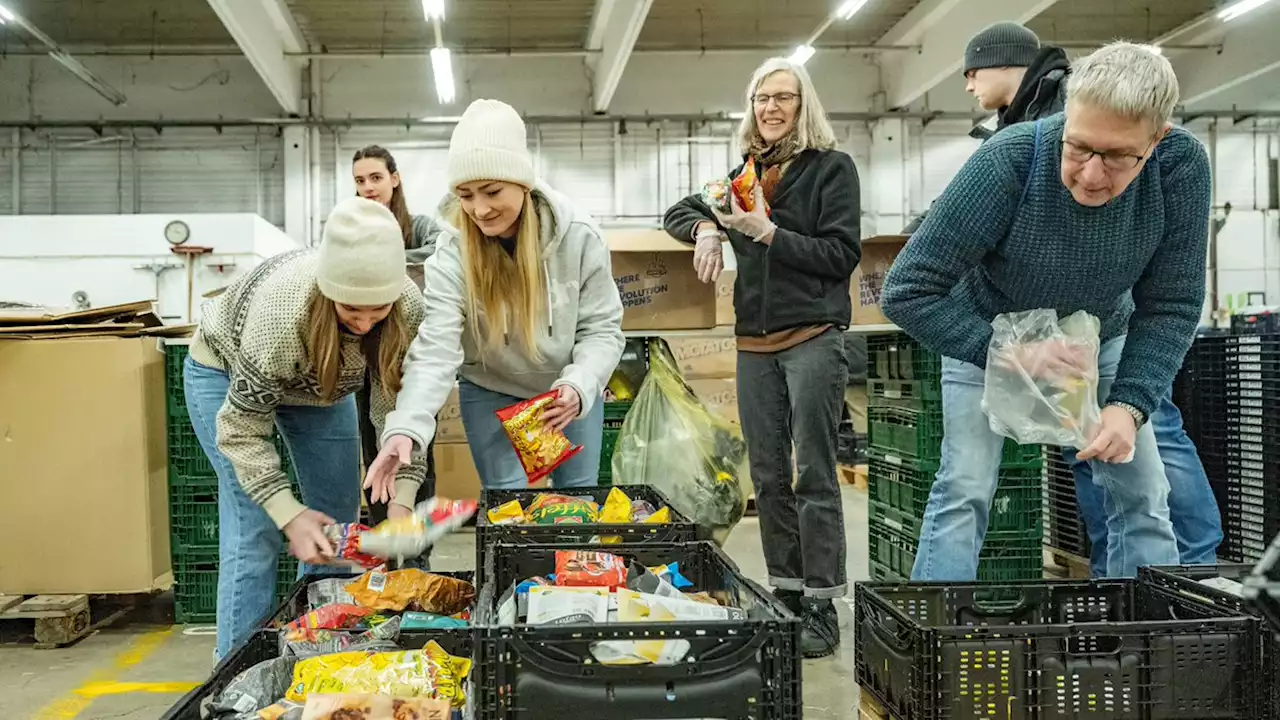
(507, 513)
(430, 672)
(662, 517)
(617, 508)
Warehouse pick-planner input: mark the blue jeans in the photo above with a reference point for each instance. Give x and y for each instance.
(1193, 509)
(325, 446)
(496, 459)
(1135, 494)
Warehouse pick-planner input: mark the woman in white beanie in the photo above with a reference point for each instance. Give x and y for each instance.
(520, 300)
(285, 347)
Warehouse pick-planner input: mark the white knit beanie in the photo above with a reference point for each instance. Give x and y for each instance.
(361, 258)
(489, 143)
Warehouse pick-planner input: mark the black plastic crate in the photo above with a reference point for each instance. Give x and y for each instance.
(743, 669)
(680, 529)
(1040, 649)
(1266, 321)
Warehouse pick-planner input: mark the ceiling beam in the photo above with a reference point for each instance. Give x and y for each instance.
(267, 33)
(942, 28)
(1249, 50)
(615, 25)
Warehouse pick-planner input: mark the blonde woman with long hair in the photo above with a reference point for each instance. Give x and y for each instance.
(286, 347)
(520, 300)
(791, 297)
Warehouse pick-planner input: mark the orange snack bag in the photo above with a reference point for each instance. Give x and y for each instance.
(540, 449)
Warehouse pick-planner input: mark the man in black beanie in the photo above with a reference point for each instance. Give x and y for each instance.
(1007, 70)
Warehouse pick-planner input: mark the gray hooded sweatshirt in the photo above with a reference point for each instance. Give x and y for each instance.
(580, 347)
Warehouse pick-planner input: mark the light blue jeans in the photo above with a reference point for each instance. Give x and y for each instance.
(325, 445)
(1135, 494)
(1193, 509)
(496, 459)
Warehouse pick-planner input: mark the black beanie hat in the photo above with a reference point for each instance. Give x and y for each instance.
(1004, 44)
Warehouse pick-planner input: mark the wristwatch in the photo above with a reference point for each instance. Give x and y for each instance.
(1139, 418)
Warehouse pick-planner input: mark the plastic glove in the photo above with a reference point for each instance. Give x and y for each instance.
(1056, 359)
(755, 224)
(708, 255)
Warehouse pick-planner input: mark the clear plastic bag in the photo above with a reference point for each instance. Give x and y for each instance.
(1042, 378)
(671, 442)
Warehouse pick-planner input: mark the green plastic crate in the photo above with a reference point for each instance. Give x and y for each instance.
(1001, 559)
(895, 356)
(195, 583)
(882, 573)
(919, 395)
(193, 516)
(188, 463)
(614, 415)
(918, 435)
(1016, 529)
(904, 485)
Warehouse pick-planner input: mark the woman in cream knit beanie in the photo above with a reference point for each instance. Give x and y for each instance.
(287, 346)
(520, 301)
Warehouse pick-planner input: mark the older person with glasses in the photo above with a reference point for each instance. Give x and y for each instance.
(1104, 208)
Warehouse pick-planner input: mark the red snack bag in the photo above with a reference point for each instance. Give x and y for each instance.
(329, 617)
(588, 568)
(539, 448)
(744, 187)
(346, 544)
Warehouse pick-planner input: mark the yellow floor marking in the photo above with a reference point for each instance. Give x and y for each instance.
(98, 689)
(75, 702)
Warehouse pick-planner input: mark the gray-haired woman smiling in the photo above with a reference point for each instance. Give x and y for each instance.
(796, 251)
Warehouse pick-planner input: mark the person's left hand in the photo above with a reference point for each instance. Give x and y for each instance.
(395, 511)
(755, 224)
(565, 408)
(1115, 437)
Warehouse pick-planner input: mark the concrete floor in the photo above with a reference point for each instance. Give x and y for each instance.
(136, 669)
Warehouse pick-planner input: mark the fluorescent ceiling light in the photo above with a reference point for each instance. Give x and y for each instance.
(802, 54)
(1235, 10)
(442, 67)
(433, 9)
(850, 7)
(5, 15)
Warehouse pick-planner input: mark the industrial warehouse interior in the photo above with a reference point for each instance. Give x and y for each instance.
(516, 359)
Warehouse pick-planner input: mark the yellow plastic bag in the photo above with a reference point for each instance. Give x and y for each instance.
(430, 672)
(617, 508)
(670, 441)
(508, 513)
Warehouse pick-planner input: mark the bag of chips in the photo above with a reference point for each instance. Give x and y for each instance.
(540, 448)
(398, 589)
(410, 536)
(430, 672)
(744, 186)
(508, 513)
(555, 509)
(617, 508)
(357, 706)
(716, 195)
(345, 538)
(327, 592)
(588, 568)
(329, 617)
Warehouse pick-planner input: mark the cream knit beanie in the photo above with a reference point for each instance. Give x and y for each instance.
(489, 143)
(361, 259)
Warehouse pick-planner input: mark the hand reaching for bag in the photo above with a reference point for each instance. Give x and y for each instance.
(307, 540)
(1115, 439)
(1056, 359)
(396, 452)
(566, 407)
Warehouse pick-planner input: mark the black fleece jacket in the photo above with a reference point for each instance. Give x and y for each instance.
(802, 278)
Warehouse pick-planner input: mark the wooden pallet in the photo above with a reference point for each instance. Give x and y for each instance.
(59, 619)
(855, 475)
(869, 708)
(1064, 564)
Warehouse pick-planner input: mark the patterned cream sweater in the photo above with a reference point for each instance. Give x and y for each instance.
(255, 331)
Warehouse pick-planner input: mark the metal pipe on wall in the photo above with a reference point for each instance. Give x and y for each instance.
(16, 171)
(1213, 226)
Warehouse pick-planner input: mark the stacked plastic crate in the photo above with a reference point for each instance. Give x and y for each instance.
(193, 508)
(1064, 529)
(904, 389)
(1251, 512)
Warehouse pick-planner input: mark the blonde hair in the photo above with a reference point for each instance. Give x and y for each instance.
(509, 290)
(812, 131)
(1133, 81)
(323, 343)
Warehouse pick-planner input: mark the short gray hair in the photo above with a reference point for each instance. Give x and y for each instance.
(1133, 81)
(813, 130)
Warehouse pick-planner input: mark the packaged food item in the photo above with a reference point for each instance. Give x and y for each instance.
(430, 672)
(641, 510)
(588, 568)
(328, 617)
(253, 690)
(508, 513)
(643, 607)
(556, 509)
(345, 538)
(671, 573)
(410, 536)
(540, 448)
(283, 710)
(430, 621)
(617, 508)
(744, 186)
(328, 591)
(661, 517)
(358, 706)
(398, 589)
(550, 605)
(716, 195)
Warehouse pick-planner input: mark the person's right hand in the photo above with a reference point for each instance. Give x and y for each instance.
(1053, 359)
(396, 452)
(306, 537)
(708, 255)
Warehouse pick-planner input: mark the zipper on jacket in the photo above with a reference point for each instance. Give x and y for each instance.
(764, 296)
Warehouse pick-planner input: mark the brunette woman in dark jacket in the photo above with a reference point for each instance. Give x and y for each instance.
(791, 297)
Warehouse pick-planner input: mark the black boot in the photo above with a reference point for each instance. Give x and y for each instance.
(793, 599)
(820, 629)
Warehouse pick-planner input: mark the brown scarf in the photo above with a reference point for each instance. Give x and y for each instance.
(772, 159)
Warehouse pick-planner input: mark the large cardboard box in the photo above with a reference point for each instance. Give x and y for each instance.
(83, 467)
(878, 254)
(705, 356)
(660, 290)
(456, 476)
(449, 428)
(719, 395)
(724, 298)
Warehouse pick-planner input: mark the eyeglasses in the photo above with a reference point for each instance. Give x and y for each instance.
(782, 99)
(1110, 160)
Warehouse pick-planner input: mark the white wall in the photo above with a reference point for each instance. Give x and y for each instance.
(46, 259)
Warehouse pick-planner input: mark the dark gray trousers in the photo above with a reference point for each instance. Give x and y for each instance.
(795, 397)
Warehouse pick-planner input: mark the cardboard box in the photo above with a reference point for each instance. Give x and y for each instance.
(449, 428)
(724, 299)
(855, 398)
(456, 476)
(84, 502)
(660, 290)
(719, 395)
(705, 356)
(878, 254)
